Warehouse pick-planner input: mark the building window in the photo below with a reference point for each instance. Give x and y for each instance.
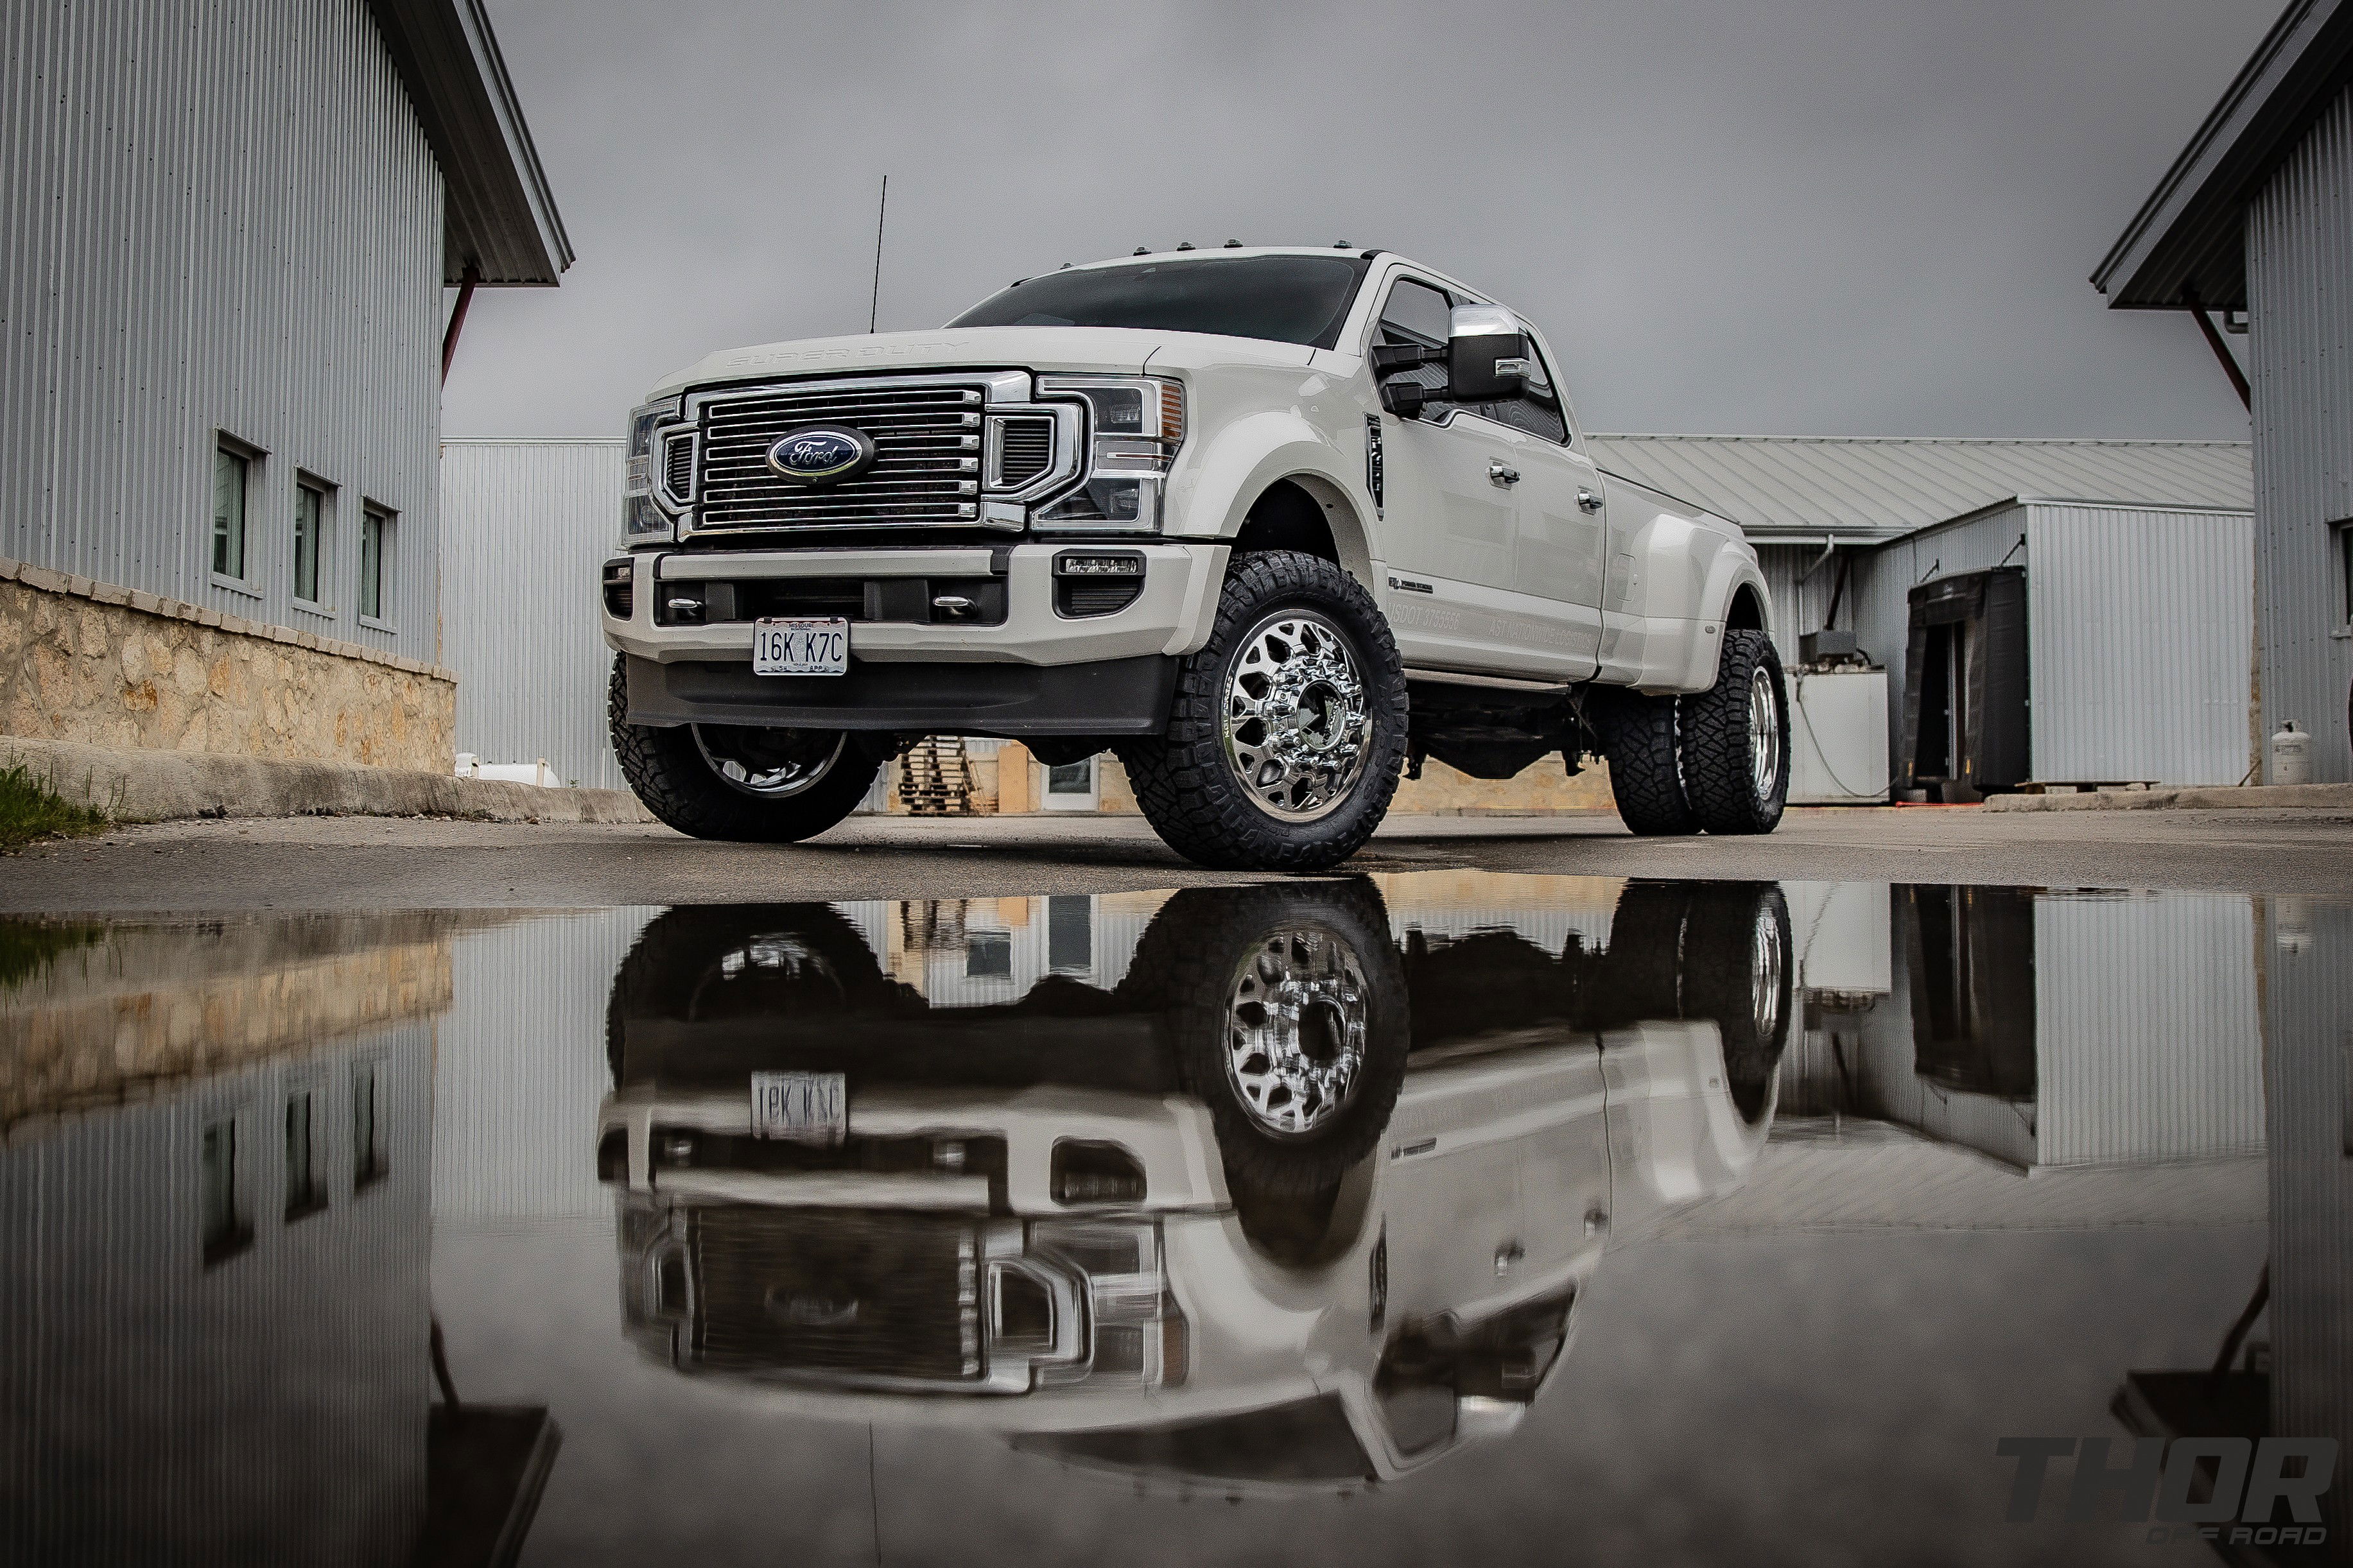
(225, 1232)
(2344, 573)
(1070, 786)
(232, 470)
(305, 1192)
(987, 955)
(367, 1135)
(375, 545)
(1070, 933)
(310, 539)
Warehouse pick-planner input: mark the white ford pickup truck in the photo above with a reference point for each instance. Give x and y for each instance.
(1272, 524)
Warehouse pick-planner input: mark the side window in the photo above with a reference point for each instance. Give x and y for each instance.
(1416, 313)
(1536, 410)
(1421, 315)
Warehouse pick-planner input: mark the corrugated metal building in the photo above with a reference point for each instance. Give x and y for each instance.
(531, 687)
(2138, 568)
(144, 1352)
(2050, 1030)
(226, 228)
(2256, 215)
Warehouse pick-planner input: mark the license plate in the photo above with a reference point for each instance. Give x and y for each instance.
(789, 647)
(804, 1107)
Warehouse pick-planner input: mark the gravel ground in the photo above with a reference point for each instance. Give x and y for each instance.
(347, 862)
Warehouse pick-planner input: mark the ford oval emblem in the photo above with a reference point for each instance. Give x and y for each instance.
(821, 454)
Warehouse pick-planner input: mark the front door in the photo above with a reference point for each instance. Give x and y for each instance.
(1449, 542)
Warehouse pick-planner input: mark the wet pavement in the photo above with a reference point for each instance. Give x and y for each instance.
(1423, 1218)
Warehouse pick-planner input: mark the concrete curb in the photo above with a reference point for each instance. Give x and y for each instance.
(2298, 797)
(158, 786)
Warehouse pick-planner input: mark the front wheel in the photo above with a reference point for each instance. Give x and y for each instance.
(1288, 731)
(736, 781)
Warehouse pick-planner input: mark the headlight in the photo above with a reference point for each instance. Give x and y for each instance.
(1136, 426)
(642, 519)
(1136, 1333)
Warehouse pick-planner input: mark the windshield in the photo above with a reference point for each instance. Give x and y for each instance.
(1283, 299)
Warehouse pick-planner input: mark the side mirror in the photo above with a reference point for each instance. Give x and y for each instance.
(1486, 354)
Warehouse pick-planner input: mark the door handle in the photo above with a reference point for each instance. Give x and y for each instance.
(1502, 473)
(1587, 499)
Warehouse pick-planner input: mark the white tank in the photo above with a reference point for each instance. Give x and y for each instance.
(2290, 755)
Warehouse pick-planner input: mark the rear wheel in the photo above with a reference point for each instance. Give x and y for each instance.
(739, 782)
(1735, 740)
(1645, 771)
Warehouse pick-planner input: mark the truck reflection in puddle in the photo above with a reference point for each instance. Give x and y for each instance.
(1278, 1186)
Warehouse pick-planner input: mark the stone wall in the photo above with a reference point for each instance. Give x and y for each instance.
(100, 665)
(92, 1014)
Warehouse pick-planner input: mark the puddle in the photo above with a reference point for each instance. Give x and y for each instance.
(1423, 1218)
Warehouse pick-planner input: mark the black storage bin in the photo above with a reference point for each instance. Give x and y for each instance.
(1965, 686)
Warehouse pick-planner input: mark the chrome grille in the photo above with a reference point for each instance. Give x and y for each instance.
(927, 469)
(1025, 450)
(846, 1292)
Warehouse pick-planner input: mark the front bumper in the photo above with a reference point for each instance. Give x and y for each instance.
(1171, 615)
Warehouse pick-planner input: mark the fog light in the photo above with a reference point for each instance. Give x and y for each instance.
(1072, 563)
(1097, 583)
(1095, 1173)
(620, 589)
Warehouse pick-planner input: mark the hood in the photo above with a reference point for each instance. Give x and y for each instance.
(1114, 351)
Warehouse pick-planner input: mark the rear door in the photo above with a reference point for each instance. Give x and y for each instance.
(1559, 544)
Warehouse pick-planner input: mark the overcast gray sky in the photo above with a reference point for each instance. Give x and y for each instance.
(1810, 218)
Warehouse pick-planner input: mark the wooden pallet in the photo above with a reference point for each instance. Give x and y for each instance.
(935, 777)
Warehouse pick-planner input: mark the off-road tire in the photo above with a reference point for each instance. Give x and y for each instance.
(665, 980)
(1639, 739)
(1727, 923)
(666, 770)
(1718, 751)
(1192, 950)
(1188, 791)
(1690, 951)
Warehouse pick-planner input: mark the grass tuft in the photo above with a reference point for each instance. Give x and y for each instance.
(29, 810)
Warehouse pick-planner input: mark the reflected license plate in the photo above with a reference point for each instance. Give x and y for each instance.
(804, 1107)
(787, 645)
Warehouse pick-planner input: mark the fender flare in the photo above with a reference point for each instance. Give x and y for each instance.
(1733, 568)
(1252, 455)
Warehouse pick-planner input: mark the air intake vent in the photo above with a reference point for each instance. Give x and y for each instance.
(677, 467)
(1025, 450)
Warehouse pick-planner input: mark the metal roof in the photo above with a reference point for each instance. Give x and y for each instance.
(2188, 237)
(1885, 486)
(499, 214)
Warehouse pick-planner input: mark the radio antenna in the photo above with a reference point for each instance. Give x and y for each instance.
(874, 304)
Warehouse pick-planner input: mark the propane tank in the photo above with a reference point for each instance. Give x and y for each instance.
(2290, 755)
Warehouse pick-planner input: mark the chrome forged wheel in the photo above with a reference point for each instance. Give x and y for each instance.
(1764, 967)
(1764, 733)
(1297, 728)
(1296, 1030)
(773, 765)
